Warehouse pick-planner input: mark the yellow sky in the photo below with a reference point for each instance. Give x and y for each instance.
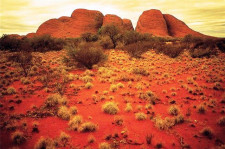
(24, 16)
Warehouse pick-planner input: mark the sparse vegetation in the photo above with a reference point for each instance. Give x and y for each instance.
(75, 122)
(18, 137)
(104, 145)
(88, 127)
(140, 116)
(64, 113)
(174, 110)
(110, 108)
(46, 143)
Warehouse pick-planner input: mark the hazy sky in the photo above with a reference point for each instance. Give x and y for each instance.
(24, 16)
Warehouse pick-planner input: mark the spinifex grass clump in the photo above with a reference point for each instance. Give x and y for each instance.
(110, 108)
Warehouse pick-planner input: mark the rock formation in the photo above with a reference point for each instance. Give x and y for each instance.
(123, 24)
(158, 24)
(178, 28)
(81, 21)
(152, 22)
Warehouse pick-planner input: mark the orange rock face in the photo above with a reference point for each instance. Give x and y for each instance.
(127, 25)
(123, 24)
(112, 19)
(81, 21)
(30, 35)
(152, 22)
(178, 28)
(158, 24)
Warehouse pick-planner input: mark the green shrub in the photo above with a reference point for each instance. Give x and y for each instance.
(87, 54)
(130, 37)
(112, 31)
(171, 50)
(110, 108)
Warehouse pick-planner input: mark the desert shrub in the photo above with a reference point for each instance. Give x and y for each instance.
(35, 127)
(91, 139)
(88, 85)
(55, 99)
(73, 110)
(118, 120)
(106, 42)
(137, 49)
(64, 138)
(11, 43)
(24, 59)
(128, 107)
(75, 122)
(87, 54)
(171, 50)
(18, 137)
(130, 37)
(201, 52)
(206, 131)
(89, 37)
(221, 45)
(164, 124)
(104, 145)
(44, 143)
(174, 110)
(179, 119)
(64, 113)
(88, 127)
(221, 121)
(140, 71)
(110, 108)
(11, 90)
(25, 80)
(112, 31)
(46, 43)
(201, 108)
(148, 138)
(140, 116)
(113, 87)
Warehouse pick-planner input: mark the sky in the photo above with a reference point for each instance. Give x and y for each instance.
(25, 16)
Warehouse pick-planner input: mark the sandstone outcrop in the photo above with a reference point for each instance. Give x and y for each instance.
(81, 21)
(152, 22)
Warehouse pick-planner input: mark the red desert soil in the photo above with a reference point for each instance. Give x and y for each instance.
(184, 82)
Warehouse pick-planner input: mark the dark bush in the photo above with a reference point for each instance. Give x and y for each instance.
(221, 45)
(130, 37)
(106, 42)
(10, 43)
(137, 49)
(171, 50)
(46, 43)
(89, 37)
(86, 54)
(37, 44)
